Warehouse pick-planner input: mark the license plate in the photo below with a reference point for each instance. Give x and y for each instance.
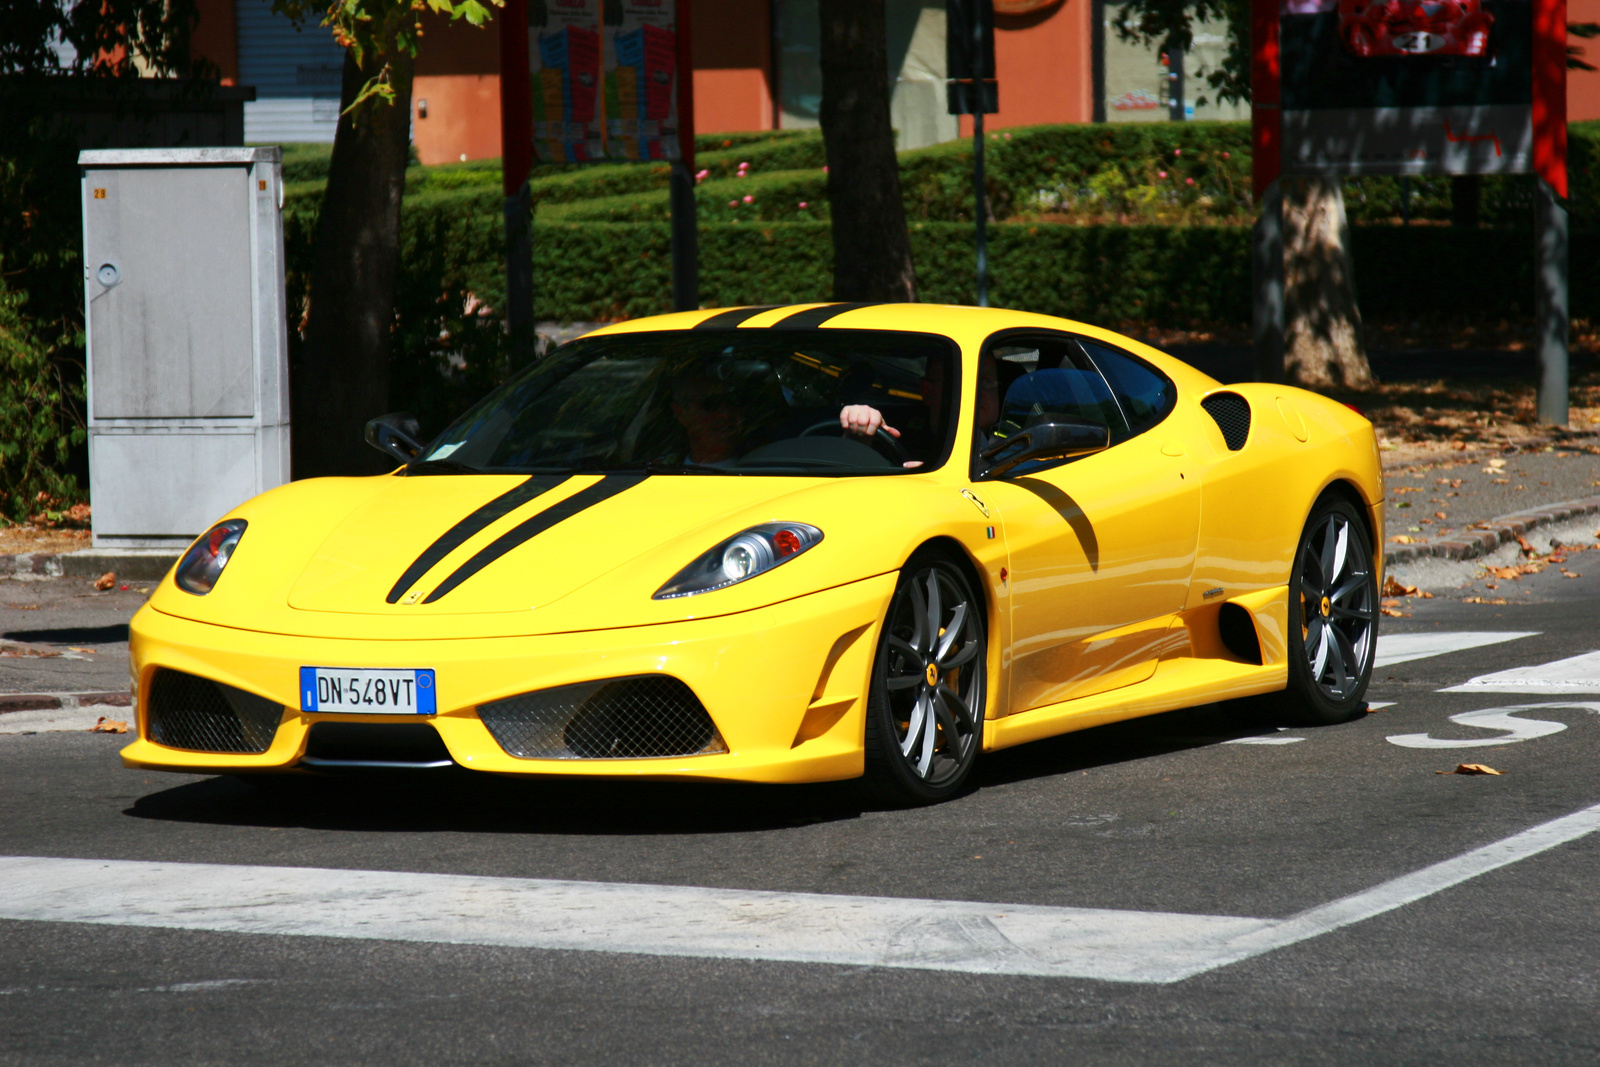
(367, 690)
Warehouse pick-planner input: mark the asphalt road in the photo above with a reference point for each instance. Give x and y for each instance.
(1169, 814)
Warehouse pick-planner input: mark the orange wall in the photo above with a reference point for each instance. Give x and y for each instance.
(732, 60)
(216, 37)
(1043, 63)
(458, 75)
(1583, 86)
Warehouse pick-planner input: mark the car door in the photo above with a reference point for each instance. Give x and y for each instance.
(1101, 547)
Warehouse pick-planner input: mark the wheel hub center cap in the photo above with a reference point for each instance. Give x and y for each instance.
(933, 674)
(1326, 607)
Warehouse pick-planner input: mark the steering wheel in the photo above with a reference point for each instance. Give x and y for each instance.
(880, 434)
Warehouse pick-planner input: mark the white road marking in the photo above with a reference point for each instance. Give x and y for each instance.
(1576, 674)
(943, 935)
(1401, 648)
(1374, 705)
(1493, 719)
(1269, 739)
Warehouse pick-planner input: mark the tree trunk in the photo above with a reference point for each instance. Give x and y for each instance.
(342, 379)
(871, 249)
(1322, 322)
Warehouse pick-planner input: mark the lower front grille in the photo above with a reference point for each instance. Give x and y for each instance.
(377, 744)
(643, 717)
(187, 711)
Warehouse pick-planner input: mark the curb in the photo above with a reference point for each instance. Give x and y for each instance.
(52, 701)
(87, 563)
(1491, 535)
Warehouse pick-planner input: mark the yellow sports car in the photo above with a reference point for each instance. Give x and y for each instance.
(782, 544)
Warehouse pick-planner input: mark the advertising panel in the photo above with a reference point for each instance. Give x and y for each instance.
(1407, 86)
(641, 94)
(564, 60)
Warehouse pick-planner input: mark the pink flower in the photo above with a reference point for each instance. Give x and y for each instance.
(804, 204)
(1177, 151)
(1226, 155)
(744, 166)
(1161, 174)
(702, 175)
(733, 203)
(824, 170)
(739, 174)
(1007, 136)
(749, 199)
(1188, 181)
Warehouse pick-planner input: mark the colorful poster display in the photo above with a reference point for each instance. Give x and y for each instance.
(564, 57)
(640, 49)
(1407, 86)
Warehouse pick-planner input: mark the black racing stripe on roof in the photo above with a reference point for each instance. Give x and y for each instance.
(727, 320)
(461, 532)
(813, 317)
(606, 488)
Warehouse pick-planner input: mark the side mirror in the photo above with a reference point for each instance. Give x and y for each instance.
(1046, 441)
(395, 434)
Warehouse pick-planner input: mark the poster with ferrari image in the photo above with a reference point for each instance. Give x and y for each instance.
(1407, 86)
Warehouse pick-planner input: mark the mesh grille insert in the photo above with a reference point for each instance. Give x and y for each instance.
(1232, 414)
(642, 717)
(186, 711)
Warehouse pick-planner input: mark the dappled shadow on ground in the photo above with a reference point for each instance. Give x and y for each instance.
(466, 801)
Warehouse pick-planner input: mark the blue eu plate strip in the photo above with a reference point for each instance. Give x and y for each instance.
(308, 689)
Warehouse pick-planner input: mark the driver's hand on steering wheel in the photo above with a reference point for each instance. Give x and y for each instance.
(865, 420)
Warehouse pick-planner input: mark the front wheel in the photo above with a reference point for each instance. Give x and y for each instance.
(925, 711)
(1333, 617)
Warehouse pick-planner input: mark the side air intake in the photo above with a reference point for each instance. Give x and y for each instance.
(643, 717)
(194, 713)
(1232, 414)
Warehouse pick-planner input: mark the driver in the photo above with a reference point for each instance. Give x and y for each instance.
(711, 417)
(864, 420)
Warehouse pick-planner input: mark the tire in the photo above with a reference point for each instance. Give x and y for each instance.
(1333, 618)
(929, 685)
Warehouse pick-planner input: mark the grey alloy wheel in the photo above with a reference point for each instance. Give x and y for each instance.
(925, 714)
(1333, 616)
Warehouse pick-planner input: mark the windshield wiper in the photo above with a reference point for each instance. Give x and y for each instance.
(441, 466)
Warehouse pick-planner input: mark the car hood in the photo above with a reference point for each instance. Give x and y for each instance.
(476, 555)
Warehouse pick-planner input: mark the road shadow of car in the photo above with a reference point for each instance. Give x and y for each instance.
(73, 635)
(465, 801)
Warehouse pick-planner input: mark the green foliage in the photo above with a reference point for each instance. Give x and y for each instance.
(37, 427)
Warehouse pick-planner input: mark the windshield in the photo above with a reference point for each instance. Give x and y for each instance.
(713, 402)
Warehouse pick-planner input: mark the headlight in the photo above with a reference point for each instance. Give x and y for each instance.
(202, 565)
(745, 555)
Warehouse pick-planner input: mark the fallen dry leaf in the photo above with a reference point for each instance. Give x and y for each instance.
(1471, 768)
(1394, 613)
(1569, 574)
(1403, 539)
(106, 581)
(1424, 594)
(1527, 549)
(75, 648)
(1556, 557)
(1482, 600)
(104, 725)
(1508, 573)
(1391, 587)
(1497, 463)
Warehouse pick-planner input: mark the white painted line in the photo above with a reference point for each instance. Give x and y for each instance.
(943, 935)
(1374, 705)
(1270, 739)
(1517, 729)
(1577, 674)
(1401, 648)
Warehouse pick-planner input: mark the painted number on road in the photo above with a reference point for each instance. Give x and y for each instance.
(1516, 729)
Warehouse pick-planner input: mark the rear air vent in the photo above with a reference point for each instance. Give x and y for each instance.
(190, 712)
(1232, 414)
(643, 717)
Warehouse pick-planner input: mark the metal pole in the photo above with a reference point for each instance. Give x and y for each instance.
(516, 158)
(980, 204)
(1175, 109)
(685, 240)
(1266, 264)
(519, 274)
(1553, 319)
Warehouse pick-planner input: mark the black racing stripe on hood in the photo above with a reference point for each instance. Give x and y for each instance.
(604, 489)
(461, 532)
(813, 317)
(727, 320)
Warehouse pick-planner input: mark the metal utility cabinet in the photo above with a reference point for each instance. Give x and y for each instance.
(188, 370)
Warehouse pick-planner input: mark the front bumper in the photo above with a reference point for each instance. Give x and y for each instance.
(785, 685)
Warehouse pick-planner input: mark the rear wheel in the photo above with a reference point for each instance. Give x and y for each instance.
(1333, 618)
(925, 711)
